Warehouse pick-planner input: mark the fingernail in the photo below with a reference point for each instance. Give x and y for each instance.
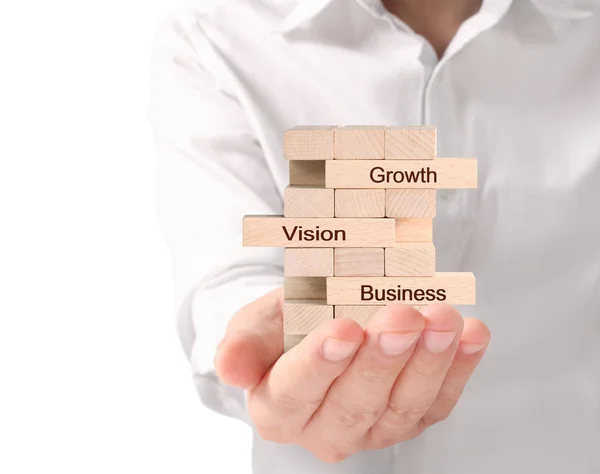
(437, 341)
(335, 350)
(393, 343)
(469, 349)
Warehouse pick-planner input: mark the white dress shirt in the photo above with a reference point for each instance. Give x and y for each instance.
(518, 89)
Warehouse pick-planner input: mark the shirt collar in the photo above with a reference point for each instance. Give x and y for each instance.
(306, 10)
(302, 12)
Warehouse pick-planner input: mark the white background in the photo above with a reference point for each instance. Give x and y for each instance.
(92, 377)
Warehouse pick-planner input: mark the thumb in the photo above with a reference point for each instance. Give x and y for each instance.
(252, 343)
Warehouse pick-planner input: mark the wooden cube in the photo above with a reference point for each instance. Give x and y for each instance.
(413, 230)
(301, 317)
(359, 143)
(410, 143)
(358, 262)
(304, 288)
(308, 143)
(359, 202)
(410, 259)
(410, 203)
(308, 201)
(307, 173)
(307, 262)
(361, 314)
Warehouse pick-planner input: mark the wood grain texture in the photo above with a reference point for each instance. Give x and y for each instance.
(410, 203)
(410, 259)
(278, 231)
(307, 173)
(410, 143)
(291, 340)
(308, 201)
(308, 262)
(301, 317)
(359, 202)
(450, 173)
(308, 143)
(304, 288)
(361, 314)
(413, 230)
(458, 288)
(359, 143)
(359, 262)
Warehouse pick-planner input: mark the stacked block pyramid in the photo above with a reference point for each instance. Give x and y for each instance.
(358, 224)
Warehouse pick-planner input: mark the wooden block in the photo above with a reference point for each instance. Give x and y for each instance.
(359, 143)
(278, 231)
(308, 201)
(359, 262)
(413, 230)
(410, 259)
(443, 173)
(359, 202)
(361, 314)
(307, 173)
(308, 262)
(291, 340)
(410, 143)
(450, 288)
(304, 288)
(308, 143)
(302, 316)
(409, 203)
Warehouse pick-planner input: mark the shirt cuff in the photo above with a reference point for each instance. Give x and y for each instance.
(203, 319)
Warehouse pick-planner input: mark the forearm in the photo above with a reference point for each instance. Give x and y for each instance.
(211, 171)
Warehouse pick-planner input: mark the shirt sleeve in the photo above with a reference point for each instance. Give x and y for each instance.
(211, 172)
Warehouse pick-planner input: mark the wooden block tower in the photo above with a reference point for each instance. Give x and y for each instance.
(358, 224)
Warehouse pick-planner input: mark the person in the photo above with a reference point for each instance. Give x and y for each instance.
(515, 84)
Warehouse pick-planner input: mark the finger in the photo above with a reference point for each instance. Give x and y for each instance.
(252, 343)
(296, 385)
(358, 397)
(473, 343)
(418, 384)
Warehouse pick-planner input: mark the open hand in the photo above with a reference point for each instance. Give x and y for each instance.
(344, 389)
